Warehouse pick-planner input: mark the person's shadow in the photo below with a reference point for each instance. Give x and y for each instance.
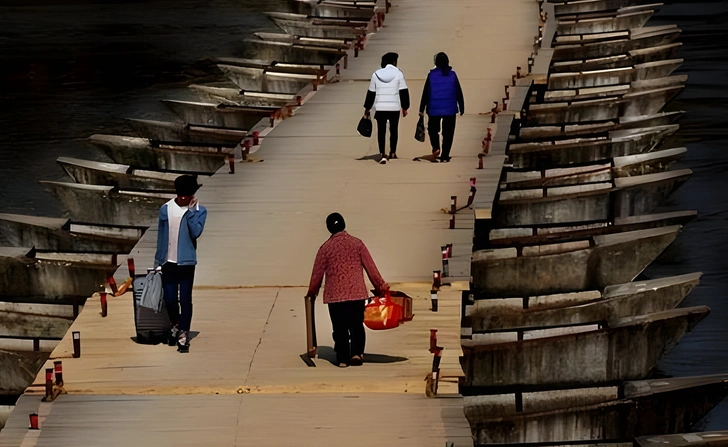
(374, 157)
(192, 336)
(327, 353)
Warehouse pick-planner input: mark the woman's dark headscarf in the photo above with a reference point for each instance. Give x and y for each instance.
(443, 63)
(335, 223)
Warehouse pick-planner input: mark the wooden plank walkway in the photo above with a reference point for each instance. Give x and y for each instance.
(243, 382)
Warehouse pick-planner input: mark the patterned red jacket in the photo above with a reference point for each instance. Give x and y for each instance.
(342, 259)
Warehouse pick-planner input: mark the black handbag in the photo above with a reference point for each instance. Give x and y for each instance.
(420, 131)
(365, 127)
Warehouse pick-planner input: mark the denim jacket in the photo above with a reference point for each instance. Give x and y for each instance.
(190, 228)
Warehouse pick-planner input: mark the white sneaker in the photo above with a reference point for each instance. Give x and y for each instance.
(182, 341)
(383, 161)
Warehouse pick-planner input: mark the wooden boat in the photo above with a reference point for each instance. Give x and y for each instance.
(700, 439)
(221, 116)
(614, 91)
(272, 66)
(629, 59)
(598, 202)
(334, 44)
(298, 25)
(120, 176)
(323, 9)
(557, 132)
(625, 166)
(237, 97)
(28, 273)
(594, 415)
(589, 46)
(619, 22)
(258, 80)
(35, 320)
(64, 235)
(109, 205)
(291, 53)
(573, 356)
(525, 236)
(565, 7)
(320, 20)
(167, 132)
(579, 308)
(19, 370)
(593, 263)
(575, 151)
(613, 76)
(145, 154)
(625, 104)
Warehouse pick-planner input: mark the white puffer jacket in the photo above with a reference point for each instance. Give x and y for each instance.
(386, 83)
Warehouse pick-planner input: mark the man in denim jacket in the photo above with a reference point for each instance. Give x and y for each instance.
(181, 221)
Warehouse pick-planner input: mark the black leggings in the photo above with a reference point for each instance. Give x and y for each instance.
(382, 118)
(347, 320)
(448, 132)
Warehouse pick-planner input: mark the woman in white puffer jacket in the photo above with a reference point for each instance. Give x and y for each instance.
(389, 95)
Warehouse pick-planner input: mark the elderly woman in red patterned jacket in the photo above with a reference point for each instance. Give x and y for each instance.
(342, 259)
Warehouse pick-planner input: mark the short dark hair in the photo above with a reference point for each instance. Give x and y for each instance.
(186, 185)
(389, 58)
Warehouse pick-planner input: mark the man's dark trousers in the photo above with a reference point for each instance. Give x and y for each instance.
(177, 282)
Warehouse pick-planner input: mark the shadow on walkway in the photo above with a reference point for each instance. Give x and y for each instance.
(327, 353)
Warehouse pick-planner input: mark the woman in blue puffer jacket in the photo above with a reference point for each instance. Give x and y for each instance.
(442, 99)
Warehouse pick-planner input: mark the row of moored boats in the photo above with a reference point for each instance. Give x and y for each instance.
(560, 339)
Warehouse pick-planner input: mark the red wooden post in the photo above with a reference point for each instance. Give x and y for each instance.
(104, 304)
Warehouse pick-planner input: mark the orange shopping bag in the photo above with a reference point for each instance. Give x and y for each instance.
(382, 314)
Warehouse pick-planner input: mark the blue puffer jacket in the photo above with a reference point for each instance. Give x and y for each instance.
(443, 93)
(190, 228)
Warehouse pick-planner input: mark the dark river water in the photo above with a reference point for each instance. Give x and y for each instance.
(69, 69)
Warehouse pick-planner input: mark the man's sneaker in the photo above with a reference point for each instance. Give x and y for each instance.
(182, 343)
(445, 160)
(393, 156)
(173, 334)
(383, 160)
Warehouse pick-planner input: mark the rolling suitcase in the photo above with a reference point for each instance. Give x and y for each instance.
(151, 327)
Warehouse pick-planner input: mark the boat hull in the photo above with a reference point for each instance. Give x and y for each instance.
(627, 351)
(674, 410)
(309, 29)
(232, 117)
(601, 78)
(585, 151)
(605, 48)
(620, 22)
(62, 235)
(50, 279)
(258, 80)
(163, 131)
(624, 300)
(121, 176)
(140, 153)
(285, 52)
(615, 259)
(19, 370)
(108, 206)
(630, 59)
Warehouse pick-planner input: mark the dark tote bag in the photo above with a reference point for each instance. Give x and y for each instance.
(420, 131)
(365, 127)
